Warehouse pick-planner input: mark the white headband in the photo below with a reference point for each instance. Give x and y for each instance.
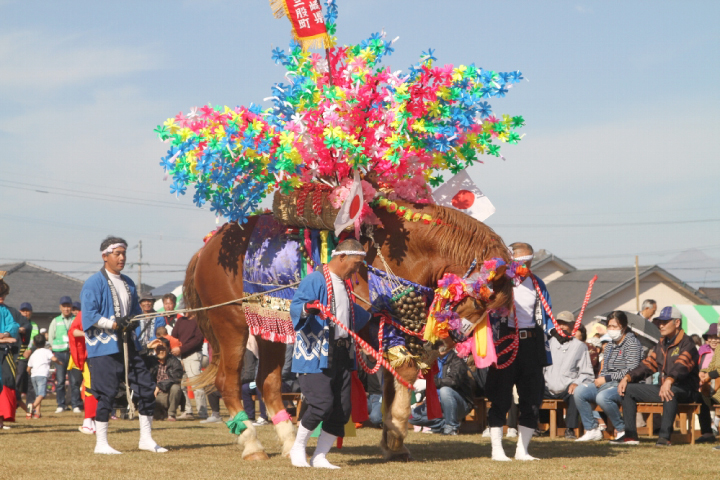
(335, 253)
(524, 258)
(112, 247)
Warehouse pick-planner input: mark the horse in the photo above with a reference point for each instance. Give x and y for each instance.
(419, 252)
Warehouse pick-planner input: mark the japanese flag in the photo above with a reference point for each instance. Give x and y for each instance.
(460, 192)
(351, 207)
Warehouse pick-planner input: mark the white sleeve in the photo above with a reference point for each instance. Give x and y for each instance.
(105, 323)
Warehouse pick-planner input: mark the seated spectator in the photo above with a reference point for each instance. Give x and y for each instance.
(167, 373)
(373, 389)
(581, 335)
(570, 368)
(675, 357)
(621, 355)
(698, 341)
(454, 387)
(710, 370)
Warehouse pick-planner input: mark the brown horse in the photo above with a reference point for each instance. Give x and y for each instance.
(414, 251)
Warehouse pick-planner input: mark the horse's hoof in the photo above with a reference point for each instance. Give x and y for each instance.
(257, 456)
(401, 457)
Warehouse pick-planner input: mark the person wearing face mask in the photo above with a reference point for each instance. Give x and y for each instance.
(675, 357)
(535, 328)
(620, 355)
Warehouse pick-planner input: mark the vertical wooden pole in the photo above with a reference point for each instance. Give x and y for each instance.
(637, 284)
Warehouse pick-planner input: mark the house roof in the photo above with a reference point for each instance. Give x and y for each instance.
(568, 291)
(712, 293)
(39, 286)
(541, 257)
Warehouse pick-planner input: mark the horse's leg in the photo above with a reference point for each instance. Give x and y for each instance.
(397, 414)
(269, 381)
(229, 324)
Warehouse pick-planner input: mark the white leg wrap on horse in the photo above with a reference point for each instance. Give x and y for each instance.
(524, 436)
(101, 443)
(498, 452)
(286, 434)
(324, 444)
(146, 441)
(249, 440)
(298, 457)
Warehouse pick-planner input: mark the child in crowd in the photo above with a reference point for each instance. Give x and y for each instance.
(38, 368)
(162, 332)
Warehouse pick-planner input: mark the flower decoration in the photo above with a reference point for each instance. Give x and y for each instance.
(336, 114)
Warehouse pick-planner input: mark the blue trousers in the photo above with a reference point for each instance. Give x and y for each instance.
(61, 372)
(454, 409)
(249, 405)
(606, 397)
(106, 374)
(375, 409)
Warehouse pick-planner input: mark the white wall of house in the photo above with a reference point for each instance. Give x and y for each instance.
(654, 286)
(549, 271)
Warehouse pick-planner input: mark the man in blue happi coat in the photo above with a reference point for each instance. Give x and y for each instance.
(109, 301)
(324, 352)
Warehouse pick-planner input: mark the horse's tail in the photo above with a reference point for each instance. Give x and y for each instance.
(206, 379)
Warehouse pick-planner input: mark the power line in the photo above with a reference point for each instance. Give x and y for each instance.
(602, 225)
(82, 261)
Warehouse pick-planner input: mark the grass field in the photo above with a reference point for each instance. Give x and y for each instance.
(52, 448)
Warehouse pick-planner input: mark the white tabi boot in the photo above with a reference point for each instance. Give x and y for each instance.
(324, 444)
(101, 443)
(146, 440)
(524, 437)
(498, 452)
(298, 456)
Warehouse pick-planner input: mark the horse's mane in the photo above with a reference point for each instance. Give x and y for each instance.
(464, 238)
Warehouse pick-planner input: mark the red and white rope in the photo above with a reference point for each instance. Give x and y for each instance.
(549, 311)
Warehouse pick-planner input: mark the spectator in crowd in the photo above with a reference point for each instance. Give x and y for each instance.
(648, 309)
(146, 329)
(454, 389)
(175, 344)
(581, 335)
(213, 399)
(249, 387)
(570, 369)
(169, 303)
(76, 309)
(621, 354)
(698, 341)
(43, 331)
(167, 372)
(9, 346)
(710, 370)
(39, 368)
(675, 357)
(187, 331)
(78, 354)
(58, 338)
(373, 389)
(28, 329)
(706, 351)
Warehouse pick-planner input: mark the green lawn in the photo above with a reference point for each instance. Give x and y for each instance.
(52, 448)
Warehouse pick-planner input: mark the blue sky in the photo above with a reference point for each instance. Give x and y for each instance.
(620, 155)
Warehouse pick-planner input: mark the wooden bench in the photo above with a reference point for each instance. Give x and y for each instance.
(686, 413)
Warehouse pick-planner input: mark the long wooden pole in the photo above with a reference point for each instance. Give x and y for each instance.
(637, 284)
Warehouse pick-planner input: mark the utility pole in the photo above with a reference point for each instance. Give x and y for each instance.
(637, 285)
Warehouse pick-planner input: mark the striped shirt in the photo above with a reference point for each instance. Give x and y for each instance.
(619, 359)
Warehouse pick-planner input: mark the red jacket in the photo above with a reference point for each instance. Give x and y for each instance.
(77, 344)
